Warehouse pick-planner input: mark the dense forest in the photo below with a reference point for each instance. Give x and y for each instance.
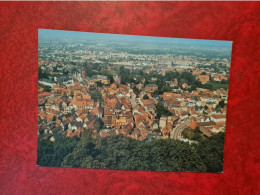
(121, 152)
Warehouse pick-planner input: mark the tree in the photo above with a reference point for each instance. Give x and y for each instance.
(188, 78)
(165, 88)
(96, 95)
(207, 86)
(146, 82)
(224, 81)
(99, 84)
(136, 91)
(161, 110)
(145, 97)
(187, 134)
(197, 130)
(211, 152)
(42, 74)
(197, 137)
(87, 147)
(45, 88)
(122, 152)
(222, 104)
(53, 153)
(100, 122)
(155, 93)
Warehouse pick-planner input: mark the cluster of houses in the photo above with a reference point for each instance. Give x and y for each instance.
(68, 109)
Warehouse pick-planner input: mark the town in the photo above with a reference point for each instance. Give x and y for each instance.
(143, 96)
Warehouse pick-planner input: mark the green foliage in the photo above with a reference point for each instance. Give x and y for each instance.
(145, 97)
(161, 110)
(109, 74)
(197, 130)
(224, 81)
(136, 91)
(165, 88)
(220, 105)
(100, 122)
(155, 93)
(125, 75)
(121, 152)
(99, 84)
(211, 152)
(188, 78)
(96, 95)
(207, 86)
(42, 75)
(92, 69)
(197, 137)
(84, 153)
(216, 85)
(45, 88)
(53, 153)
(192, 134)
(187, 134)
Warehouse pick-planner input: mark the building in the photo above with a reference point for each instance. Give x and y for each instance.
(47, 82)
(83, 73)
(219, 77)
(193, 123)
(100, 78)
(151, 87)
(162, 122)
(203, 78)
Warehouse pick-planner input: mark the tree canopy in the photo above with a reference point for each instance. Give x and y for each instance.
(121, 152)
(161, 110)
(96, 95)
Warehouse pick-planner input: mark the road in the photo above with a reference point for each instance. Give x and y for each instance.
(176, 132)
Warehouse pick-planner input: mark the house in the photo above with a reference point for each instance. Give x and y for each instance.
(203, 78)
(206, 124)
(104, 133)
(107, 121)
(219, 77)
(155, 125)
(168, 96)
(90, 104)
(185, 85)
(74, 125)
(216, 129)
(205, 131)
(148, 104)
(151, 87)
(196, 73)
(100, 78)
(98, 111)
(193, 123)
(162, 122)
(219, 119)
(47, 82)
(174, 83)
(166, 130)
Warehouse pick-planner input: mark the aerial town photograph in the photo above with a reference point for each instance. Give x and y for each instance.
(129, 102)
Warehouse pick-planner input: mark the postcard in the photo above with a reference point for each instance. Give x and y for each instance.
(111, 101)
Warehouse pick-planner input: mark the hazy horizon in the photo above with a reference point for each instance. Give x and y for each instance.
(46, 35)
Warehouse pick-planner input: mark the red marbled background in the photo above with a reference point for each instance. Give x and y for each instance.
(19, 23)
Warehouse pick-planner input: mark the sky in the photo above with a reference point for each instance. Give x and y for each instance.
(60, 35)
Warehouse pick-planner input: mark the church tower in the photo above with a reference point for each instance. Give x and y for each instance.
(83, 73)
